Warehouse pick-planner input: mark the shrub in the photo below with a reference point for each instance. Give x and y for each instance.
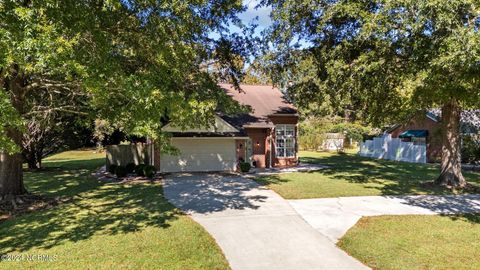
(149, 171)
(471, 149)
(121, 171)
(130, 167)
(245, 166)
(313, 130)
(139, 169)
(112, 168)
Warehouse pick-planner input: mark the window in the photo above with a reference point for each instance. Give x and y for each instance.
(285, 141)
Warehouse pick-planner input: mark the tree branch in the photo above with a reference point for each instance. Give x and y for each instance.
(67, 109)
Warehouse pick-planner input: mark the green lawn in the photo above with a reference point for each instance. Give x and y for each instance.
(106, 226)
(352, 175)
(416, 242)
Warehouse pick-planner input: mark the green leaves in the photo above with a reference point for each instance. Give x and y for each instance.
(139, 63)
(380, 59)
(9, 117)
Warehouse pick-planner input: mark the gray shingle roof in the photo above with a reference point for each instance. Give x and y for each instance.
(469, 121)
(264, 100)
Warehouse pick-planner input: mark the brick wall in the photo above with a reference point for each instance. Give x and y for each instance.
(434, 139)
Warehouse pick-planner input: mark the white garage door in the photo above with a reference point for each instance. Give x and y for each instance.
(200, 155)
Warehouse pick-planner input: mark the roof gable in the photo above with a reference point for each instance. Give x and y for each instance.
(264, 101)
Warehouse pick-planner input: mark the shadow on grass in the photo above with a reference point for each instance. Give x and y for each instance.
(273, 179)
(389, 177)
(394, 178)
(471, 218)
(96, 208)
(445, 205)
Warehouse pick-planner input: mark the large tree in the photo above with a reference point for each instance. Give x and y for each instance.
(138, 61)
(54, 119)
(387, 58)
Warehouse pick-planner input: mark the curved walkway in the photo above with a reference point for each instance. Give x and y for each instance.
(254, 226)
(333, 217)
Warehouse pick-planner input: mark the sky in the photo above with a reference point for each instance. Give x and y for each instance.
(261, 16)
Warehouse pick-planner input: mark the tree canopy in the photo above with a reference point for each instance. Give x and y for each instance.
(382, 60)
(137, 62)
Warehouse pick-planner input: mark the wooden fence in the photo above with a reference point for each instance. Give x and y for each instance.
(132, 153)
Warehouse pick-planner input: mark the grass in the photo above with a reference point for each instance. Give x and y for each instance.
(352, 175)
(415, 242)
(106, 226)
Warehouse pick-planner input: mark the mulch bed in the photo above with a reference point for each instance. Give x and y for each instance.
(130, 179)
(107, 177)
(13, 206)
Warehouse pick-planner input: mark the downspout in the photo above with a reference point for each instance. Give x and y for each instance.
(296, 135)
(245, 149)
(271, 146)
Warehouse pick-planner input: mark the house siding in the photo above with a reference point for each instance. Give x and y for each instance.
(434, 139)
(263, 142)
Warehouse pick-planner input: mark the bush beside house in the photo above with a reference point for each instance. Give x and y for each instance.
(120, 171)
(471, 149)
(314, 132)
(140, 170)
(245, 167)
(111, 168)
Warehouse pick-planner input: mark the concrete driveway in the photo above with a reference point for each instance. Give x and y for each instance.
(254, 226)
(333, 217)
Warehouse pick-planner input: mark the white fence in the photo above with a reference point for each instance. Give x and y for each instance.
(390, 148)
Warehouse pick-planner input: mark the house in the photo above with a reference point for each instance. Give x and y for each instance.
(426, 128)
(266, 137)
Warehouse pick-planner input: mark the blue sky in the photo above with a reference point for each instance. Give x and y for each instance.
(263, 14)
(260, 16)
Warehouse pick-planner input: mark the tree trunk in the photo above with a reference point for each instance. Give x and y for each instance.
(451, 167)
(33, 155)
(33, 162)
(39, 157)
(11, 172)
